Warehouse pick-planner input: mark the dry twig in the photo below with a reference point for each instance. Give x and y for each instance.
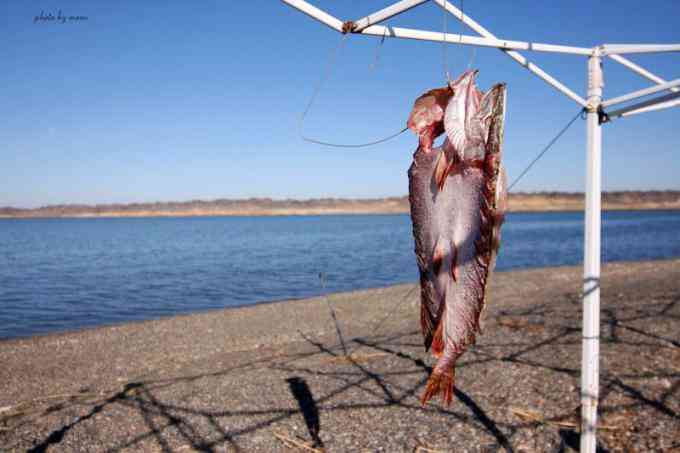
(21, 409)
(292, 443)
(519, 323)
(353, 358)
(538, 418)
(422, 447)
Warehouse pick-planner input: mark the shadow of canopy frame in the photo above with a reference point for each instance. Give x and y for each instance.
(592, 104)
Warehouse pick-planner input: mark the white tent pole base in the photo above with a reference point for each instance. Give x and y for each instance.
(590, 364)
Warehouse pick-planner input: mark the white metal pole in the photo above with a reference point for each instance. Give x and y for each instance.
(638, 48)
(640, 70)
(458, 39)
(659, 103)
(651, 108)
(641, 93)
(590, 363)
(318, 14)
(518, 57)
(385, 13)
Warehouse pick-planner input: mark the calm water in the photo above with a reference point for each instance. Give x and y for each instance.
(63, 274)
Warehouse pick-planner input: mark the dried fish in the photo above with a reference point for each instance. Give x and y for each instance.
(457, 195)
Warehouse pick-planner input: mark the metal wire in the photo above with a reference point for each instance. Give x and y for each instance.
(378, 47)
(473, 52)
(545, 150)
(445, 48)
(322, 80)
(354, 145)
(326, 73)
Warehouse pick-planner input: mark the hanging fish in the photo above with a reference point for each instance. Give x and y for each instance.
(457, 195)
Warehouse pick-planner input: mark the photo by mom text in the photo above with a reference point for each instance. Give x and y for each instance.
(58, 18)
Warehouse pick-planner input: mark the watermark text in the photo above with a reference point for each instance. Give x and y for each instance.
(58, 18)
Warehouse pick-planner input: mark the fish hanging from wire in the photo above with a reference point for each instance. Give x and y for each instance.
(458, 197)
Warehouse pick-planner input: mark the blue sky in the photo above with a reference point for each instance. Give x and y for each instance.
(151, 101)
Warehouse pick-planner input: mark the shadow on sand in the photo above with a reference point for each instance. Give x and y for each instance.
(353, 382)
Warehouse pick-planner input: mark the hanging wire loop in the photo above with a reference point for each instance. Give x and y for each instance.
(322, 80)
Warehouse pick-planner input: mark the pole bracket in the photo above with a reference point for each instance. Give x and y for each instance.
(348, 27)
(602, 116)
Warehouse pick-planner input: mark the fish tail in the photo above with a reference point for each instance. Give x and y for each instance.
(439, 383)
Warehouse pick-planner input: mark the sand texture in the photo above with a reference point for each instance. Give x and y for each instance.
(288, 377)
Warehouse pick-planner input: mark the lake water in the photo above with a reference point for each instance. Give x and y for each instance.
(64, 274)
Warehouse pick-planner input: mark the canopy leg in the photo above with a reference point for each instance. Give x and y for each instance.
(590, 367)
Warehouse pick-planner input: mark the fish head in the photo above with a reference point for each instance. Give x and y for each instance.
(427, 116)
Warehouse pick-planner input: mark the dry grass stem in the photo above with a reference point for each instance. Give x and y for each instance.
(422, 447)
(292, 443)
(354, 358)
(19, 409)
(534, 416)
(519, 323)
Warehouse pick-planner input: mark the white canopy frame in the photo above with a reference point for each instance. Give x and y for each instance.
(594, 106)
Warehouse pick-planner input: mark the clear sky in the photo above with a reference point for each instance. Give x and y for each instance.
(177, 100)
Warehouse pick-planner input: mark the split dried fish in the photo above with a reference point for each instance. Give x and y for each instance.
(457, 195)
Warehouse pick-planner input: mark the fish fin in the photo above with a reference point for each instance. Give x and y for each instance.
(481, 322)
(437, 257)
(432, 311)
(439, 383)
(438, 340)
(441, 171)
(429, 309)
(454, 262)
(426, 325)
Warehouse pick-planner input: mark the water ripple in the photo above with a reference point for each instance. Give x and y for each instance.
(62, 274)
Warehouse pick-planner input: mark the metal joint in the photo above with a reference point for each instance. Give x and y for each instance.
(348, 27)
(602, 116)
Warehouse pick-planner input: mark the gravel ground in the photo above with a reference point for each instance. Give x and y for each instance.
(286, 376)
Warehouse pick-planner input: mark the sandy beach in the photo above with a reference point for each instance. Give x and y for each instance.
(517, 202)
(290, 376)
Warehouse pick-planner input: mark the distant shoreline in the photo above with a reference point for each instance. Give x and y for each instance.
(519, 202)
(142, 215)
